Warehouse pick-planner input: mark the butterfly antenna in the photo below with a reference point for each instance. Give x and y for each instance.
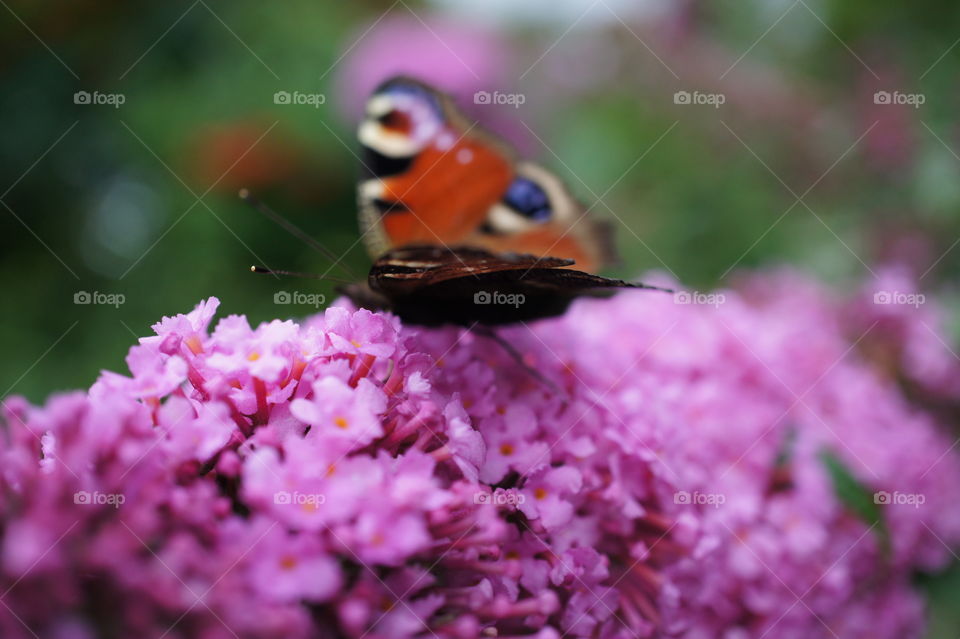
(651, 287)
(293, 230)
(309, 276)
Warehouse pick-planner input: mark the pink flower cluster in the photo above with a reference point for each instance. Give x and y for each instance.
(731, 470)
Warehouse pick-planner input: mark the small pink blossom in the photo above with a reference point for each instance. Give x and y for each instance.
(344, 417)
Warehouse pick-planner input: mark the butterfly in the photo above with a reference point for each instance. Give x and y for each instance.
(461, 230)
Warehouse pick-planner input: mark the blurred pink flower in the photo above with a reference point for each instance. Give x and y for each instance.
(449, 55)
(457, 60)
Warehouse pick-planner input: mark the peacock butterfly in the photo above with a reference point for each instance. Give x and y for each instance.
(462, 231)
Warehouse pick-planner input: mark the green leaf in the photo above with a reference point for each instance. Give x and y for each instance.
(856, 498)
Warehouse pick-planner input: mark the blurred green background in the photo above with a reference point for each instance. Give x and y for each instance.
(801, 164)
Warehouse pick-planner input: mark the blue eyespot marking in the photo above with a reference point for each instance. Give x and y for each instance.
(528, 199)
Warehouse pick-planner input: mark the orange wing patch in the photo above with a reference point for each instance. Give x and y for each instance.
(445, 195)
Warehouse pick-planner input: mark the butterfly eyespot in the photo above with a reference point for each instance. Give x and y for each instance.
(395, 120)
(529, 199)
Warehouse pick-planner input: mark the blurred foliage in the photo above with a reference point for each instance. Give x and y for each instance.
(141, 199)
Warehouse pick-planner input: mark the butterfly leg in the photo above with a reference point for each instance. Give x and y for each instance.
(486, 331)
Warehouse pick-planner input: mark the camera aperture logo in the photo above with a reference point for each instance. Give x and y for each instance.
(898, 298)
(896, 498)
(699, 98)
(698, 298)
(500, 497)
(315, 300)
(296, 498)
(513, 99)
(697, 498)
(97, 98)
(496, 298)
(97, 298)
(896, 97)
(299, 98)
(96, 498)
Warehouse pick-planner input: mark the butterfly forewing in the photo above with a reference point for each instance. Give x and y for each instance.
(433, 176)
